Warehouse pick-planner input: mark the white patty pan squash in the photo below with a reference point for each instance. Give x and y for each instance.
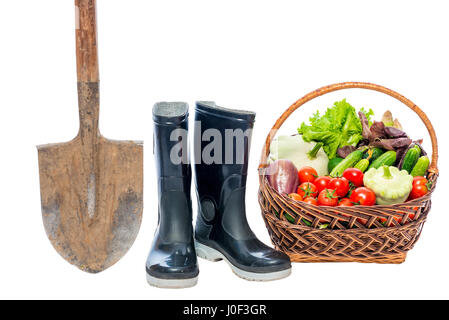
(301, 153)
(390, 184)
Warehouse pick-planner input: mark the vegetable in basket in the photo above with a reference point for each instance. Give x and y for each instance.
(295, 196)
(387, 119)
(338, 127)
(421, 167)
(283, 176)
(322, 182)
(328, 198)
(410, 158)
(420, 188)
(307, 174)
(354, 175)
(345, 202)
(340, 185)
(333, 163)
(373, 153)
(381, 136)
(307, 189)
(387, 159)
(300, 152)
(363, 196)
(390, 184)
(362, 165)
(350, 161)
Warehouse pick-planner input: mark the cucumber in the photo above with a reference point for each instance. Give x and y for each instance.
(333, 162)
(373, 153)
(348, 162)
(287, 216)
(387, 159)
(420, 168)
(362, 165)
(410, 159)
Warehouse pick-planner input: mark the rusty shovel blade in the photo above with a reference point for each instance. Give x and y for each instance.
(91, 193)
(91, 218)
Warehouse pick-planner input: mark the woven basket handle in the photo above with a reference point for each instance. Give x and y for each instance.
(433, 169)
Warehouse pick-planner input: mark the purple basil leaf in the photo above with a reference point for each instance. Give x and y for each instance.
(366, 133)
(377, 130)
(391, 144)
(401, 142)
(393, 132)
(363, 142)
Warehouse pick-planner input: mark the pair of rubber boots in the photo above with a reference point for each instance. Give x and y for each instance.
(221, 148)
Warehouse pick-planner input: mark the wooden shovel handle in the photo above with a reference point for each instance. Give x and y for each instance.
(86, 41)
(87, 71)
(433, 169)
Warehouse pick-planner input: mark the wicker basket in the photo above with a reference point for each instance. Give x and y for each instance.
(345, 239)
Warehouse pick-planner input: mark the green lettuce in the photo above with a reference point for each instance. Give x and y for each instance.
(338, 127)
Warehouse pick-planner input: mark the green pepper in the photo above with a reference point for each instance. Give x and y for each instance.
(390, 184)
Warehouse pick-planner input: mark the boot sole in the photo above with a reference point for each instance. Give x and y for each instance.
(213, 255)
(171, 283)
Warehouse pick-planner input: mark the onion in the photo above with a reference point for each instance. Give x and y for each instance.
(283, 176)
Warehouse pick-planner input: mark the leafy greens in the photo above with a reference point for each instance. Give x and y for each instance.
(338, 127)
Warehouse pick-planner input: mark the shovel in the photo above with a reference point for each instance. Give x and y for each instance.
(91, 187)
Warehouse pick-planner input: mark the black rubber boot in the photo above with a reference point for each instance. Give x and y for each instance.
(222, 231)
(172, 262)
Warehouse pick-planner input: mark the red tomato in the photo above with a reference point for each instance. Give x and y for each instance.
(419, 180)
(418, 191)
(327, 198)
(383, 220)
(354, 175)
(295, 196)
(340, 185)
(307, 174)
(363, 196)
(411, 216)
(322, 182)
(311, 200)
(362, 221)
(345, 202)
(398, 219)
(307, 189)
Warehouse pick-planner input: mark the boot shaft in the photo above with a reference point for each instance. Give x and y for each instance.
(173, 171)
(170, 146)
(222, 145)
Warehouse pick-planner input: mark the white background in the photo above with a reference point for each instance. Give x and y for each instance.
(258, 55)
